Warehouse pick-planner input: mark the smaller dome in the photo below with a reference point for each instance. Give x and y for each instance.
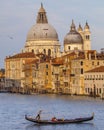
(73, 36)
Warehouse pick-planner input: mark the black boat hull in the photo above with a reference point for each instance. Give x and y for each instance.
(66, 121)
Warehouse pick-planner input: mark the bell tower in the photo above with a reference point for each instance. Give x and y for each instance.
(87, 39)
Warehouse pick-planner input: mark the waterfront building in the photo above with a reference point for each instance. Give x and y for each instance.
(57, 82)
(45, 76)
(14, 74)
(37, 74)
(85, 61)
(94, 82)
(30, 73)
(61, 68)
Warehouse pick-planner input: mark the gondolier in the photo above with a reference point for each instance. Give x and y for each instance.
(38, 115)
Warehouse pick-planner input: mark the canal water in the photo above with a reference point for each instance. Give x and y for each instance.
(13, 108)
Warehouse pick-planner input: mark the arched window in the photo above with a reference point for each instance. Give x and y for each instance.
(49, 52)
(87, 37)
(32, 50)
(44, 51)
(69, 47)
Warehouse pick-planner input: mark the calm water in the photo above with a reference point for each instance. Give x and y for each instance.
(13, 107)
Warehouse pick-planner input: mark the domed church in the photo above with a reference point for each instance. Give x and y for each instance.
(42, 37)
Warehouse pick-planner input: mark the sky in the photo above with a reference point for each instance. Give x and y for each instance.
(18, 16)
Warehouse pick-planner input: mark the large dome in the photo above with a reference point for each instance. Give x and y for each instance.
(73, 37)
(42, 31)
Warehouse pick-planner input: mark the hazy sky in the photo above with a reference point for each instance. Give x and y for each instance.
(17, 17)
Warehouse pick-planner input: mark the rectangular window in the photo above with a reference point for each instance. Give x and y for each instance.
(46, 66)
(81, 71)
(65, 84)
(98, 63)
(36, 66)
(93, 63)
(86, 90)
(100, 90)
(81, 62)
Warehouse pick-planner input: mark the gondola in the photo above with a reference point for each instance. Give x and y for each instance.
(60, 121)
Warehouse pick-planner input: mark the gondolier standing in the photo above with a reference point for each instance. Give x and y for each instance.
(38, 115)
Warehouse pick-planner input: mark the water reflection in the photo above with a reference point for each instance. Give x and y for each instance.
(80, 126)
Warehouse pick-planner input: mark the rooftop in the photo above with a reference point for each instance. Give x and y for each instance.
(22, 55)
(98, 69)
